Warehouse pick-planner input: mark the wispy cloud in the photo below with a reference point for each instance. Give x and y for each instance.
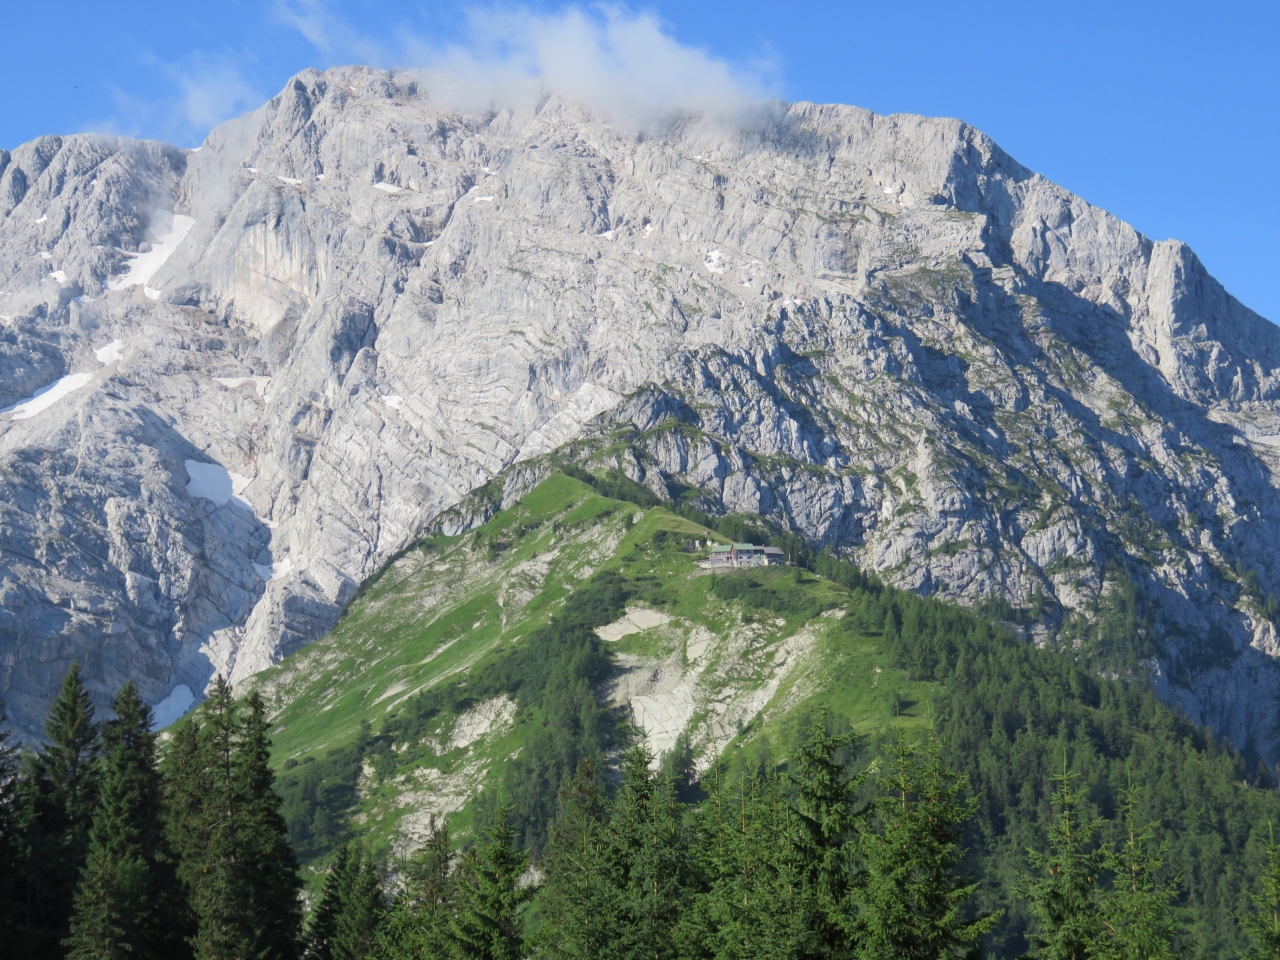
(212, 91)
(206, 90)
(626, 67)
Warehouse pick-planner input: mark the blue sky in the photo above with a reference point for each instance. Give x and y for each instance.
(1166, 114)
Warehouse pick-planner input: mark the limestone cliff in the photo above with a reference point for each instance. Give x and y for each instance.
(238, 379)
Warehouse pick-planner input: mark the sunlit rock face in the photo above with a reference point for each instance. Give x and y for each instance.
(272, 361)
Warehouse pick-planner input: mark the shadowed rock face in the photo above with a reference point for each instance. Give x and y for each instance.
(880, 330)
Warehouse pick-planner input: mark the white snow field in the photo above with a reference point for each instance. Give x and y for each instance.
(46, 397)
(215, 482)
(144, 265)
(177, 703)
(110, 353)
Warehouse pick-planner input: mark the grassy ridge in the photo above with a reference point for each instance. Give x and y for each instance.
(364, 718)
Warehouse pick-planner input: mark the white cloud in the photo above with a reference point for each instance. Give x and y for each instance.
(624, 66)
(211, 93)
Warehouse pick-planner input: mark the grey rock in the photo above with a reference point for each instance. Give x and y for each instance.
(881, 331)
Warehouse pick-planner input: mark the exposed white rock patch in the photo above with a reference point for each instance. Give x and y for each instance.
(492, 717)
(439, 794)
(259, 383)
(635, 621)
(45, 398)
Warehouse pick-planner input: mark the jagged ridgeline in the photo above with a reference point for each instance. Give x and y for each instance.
(486, 664)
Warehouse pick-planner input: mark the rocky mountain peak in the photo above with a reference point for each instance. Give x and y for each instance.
(238, 379)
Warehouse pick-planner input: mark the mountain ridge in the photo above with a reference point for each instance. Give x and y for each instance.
(881, 332)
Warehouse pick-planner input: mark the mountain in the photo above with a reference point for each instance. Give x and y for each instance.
(239, 379)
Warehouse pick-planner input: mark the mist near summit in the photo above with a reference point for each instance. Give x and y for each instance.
(624, 66)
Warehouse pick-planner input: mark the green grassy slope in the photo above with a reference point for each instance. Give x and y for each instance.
(722, 669)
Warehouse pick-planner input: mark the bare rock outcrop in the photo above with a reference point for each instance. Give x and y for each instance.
(238, 379)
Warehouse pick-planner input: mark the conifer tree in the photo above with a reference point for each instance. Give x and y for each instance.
(645, 858)
(831, 822)
(1065, 901)
(125, 905)
(419, 924)
(324, 923)
(755, 901)
(1263, 924)
(62, 793)
(1137, 915)
(914, 896)
(575, 900)
(235, 862)
(275, 884)
(350, 909)
(487, 922)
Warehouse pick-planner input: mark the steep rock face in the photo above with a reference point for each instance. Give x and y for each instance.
(275, 359)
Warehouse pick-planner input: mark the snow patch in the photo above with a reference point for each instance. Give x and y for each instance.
(144, 265)
(110, 353)
(482, 200)
(215, 482)
(45, 398)
(393, 401)
(175, 705)
(387, 187)
(43, 218)
(275, 570)
(289, 180)
(46, 255)
(58, 275)
(712, 263)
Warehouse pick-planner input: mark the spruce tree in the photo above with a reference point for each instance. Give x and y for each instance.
(645, 859)
(1065, 900)
(754, 902)
(419, 924)
(914, 897)
(347, 917)
(125, 905)
(324, 922)
(61, 788)
(831, 822)
(1263, 924)
(1137, 917)
(235, 862)
(272, 868)
(487, 922)
(575, 902)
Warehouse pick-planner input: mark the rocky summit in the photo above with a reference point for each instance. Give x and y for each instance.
(237, 380)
